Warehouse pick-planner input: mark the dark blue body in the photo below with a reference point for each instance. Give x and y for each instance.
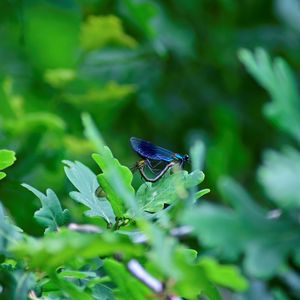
(149, 151)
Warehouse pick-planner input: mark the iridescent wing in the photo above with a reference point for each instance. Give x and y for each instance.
(150, 151)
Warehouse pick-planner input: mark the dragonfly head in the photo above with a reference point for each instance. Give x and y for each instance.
(185, 158)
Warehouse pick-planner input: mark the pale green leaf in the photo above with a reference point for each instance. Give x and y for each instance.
(16, 283)
(277, 78)
(50, 215)
(86, 183)
(151, 197)
(9, 233)
(279, 175)
(244, 230)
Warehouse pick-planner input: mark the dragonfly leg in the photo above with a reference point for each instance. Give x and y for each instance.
(161, 173)
(153, 167)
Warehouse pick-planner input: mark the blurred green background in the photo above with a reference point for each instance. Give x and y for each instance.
(166, 71)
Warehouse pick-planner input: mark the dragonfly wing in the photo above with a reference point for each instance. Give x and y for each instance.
(147, 150)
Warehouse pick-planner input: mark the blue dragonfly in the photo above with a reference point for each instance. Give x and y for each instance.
(151, 154)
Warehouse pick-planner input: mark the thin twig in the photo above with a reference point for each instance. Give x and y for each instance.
(85, 228)
(136, 269)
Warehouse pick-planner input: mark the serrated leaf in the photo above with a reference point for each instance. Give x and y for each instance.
(50, 215)
(168, 190)
(224, 275)
(128, 286)
(279, 175)
(86, 183)
(109, 165)
(244, 230)
(115, 179)
(277, 78)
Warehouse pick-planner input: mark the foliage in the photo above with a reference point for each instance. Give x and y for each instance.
(111, 260)
(51, 214)
(7, 158)
(185, 75)
(278, 80)
(86, 183)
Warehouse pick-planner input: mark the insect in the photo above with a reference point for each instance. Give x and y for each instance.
(151, 153)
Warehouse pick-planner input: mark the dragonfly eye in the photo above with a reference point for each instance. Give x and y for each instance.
(186, 157)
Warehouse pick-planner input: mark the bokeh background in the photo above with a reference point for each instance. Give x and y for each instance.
(166, 71)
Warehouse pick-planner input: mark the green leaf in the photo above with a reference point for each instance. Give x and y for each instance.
(109, 165)
(103, 292)
(128, 286)
(141, 13)
(7, 158)
(31, 121)
(244, 230)
(111, 96)
(98, 32)
(202, 193)
(279, 175)
(70, 289)
(162, 249)
(168, 190)
(9, 233)
(194, 280)
(76, 274)
(277, 78)
(50, 215)
(225, 275)
(59, 77)
(86, 183)
(115, 179)
(197, 153)
(169, 260)
(66, 247)
(17, 284)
